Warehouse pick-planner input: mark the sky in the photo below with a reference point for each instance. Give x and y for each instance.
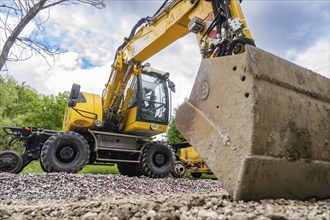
(297, 30)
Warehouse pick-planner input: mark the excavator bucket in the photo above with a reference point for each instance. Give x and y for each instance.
(262, 124)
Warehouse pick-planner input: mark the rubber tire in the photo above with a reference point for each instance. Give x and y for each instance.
(42, 166)
(129, 169)
(51, 158)
(19, 161)
(177, 171)
(147, 163)
(196, 175)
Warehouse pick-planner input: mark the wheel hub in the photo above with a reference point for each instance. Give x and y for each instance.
(7, 161)
(160, 159)
(66, 153)
(179, 169)
(10, 162)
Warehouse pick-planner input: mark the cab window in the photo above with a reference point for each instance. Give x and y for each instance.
(154, 98)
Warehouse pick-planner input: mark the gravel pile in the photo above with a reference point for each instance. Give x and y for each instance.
(116, 197)
(63, 186)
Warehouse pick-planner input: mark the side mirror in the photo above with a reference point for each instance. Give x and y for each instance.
(73, 99)
(171, 85)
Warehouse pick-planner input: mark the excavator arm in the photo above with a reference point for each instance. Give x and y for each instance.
(176, 20)
(219, 26)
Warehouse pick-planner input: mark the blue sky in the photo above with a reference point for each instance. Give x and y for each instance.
(295, 30)
(289, 25)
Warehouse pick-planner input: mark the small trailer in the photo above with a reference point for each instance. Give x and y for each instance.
(32, 139)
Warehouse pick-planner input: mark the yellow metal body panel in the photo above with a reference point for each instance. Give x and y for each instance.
(166, 29)
(141, 128)
(189, 153)
(144, 128)
(193, 161)
(92, 108)
(236, 11)
(131, 117)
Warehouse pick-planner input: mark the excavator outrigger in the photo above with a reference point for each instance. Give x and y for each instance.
(259, 122)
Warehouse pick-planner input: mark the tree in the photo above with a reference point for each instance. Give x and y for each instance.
(47, 111)
(173, 135)
(14, 17)
(21, 105)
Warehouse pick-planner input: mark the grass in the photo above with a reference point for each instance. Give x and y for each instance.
(34, 167)
(100, 169)
(204, 176)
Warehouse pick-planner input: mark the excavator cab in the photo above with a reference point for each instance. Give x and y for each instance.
(154, 99)
(145, 104)
(149, 106)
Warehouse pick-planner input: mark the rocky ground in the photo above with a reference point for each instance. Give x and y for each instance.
(70, 196)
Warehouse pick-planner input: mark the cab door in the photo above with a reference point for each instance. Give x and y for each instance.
(148, 112)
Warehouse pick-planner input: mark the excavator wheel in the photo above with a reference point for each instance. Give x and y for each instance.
(129, 169)
(65, 152)
(156, 160)
(42, 167)
(179, 169)
(10, 162)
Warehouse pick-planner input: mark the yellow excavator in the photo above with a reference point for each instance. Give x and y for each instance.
(259, 122)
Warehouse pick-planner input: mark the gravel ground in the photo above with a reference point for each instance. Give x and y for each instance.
(72, 196)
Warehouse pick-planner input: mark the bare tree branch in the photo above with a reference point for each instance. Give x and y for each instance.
(25, 11)
(55, 3)
(43, 51)
(18, 29)
(16, 10)
(95, 3)
(19, 8)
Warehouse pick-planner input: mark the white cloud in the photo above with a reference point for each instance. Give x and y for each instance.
(181, 60)
(11, 21)
(64, 73)
(316, 58)
(279, 26)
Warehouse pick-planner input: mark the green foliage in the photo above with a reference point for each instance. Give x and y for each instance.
(34, 167)
(173, 135)
(47, 111)
(21, 105)
(204, 176)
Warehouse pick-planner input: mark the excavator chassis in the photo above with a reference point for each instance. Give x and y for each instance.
(262, 124)
(134, 155)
